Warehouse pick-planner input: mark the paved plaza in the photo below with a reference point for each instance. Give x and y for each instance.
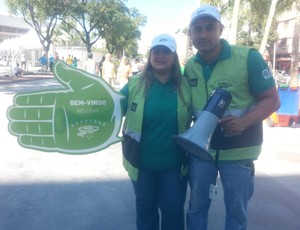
(53, 191)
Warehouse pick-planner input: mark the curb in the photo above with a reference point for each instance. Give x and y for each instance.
(7, 79)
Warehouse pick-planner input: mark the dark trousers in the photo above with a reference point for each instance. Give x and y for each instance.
(164, 191)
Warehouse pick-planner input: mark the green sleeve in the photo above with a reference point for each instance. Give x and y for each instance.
(259, 75)
(124, 102)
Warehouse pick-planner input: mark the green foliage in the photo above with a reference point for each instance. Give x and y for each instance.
(121, 32)
(225, 6)
(253, 17)
(83, 21)
(66, 36)
(41, 15)
(107, 19)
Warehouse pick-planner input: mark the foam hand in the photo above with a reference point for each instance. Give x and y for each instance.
(82, 118)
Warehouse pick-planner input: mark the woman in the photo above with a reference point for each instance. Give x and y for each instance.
(157, 106)
(124, 71)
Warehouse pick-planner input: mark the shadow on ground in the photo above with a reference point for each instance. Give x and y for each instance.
(109, 205)
(103, 205)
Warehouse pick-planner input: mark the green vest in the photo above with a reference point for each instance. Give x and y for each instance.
(132, 126)
(232, 75)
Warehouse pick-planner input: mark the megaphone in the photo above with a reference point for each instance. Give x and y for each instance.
(196, 140)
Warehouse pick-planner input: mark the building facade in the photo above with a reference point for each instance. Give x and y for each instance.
(284, 46)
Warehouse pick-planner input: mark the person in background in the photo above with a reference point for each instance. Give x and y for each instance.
(90, 64)
(237, 140)
(51, 62)
(108, 70)
(44, 62)
(100, 66)
(17, 71)
(23, 62)
(124, 71)
(69, 60)
(157, 106)
(135, 67)
(117, 63)
(56, 56)
(182, 64)
(75, 62)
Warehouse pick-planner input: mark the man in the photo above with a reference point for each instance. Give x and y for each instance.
(108, 70)
(90, 64)
(17, 71)
(237, 140)
(44, 62)
(51, 62)
(23, 62)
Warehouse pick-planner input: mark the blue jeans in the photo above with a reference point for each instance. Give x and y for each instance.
(164, 190)
(238, 184)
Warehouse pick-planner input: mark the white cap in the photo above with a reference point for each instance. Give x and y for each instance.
(206, 11)
(164, 40)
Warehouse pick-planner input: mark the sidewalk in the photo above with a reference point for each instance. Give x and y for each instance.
(52, 191)
(31, 74)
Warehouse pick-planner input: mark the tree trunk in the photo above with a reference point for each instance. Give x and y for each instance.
(295, 48)
(88, 47)
(268, 26)
(234, 22)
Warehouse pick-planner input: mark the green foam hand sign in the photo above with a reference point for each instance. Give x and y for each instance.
(82, 118)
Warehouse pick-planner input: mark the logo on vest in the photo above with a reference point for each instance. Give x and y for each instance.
(267, 73)
(225, 83)
(133, 107)
(193, 82)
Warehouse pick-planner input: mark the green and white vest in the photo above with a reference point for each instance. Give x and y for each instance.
(232, 75)
(132, 126)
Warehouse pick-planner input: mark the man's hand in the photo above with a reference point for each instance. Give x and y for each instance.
(232, 125)
(84, 117)
(268, 102)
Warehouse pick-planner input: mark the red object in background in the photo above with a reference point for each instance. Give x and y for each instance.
(289, 112)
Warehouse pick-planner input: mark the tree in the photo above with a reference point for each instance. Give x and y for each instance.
(268, 26)
(225, 7)
(253, 15)
(65, 36)
(94, 19)
(41, 15)
(84, 16)
(121, 32)
(234, 23)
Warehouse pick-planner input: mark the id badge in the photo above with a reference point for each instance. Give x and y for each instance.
(213, 192)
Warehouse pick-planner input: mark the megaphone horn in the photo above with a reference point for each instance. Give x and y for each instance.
(196, 140)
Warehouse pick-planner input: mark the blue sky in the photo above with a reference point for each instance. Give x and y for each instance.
(164, 16)
(3, 8)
